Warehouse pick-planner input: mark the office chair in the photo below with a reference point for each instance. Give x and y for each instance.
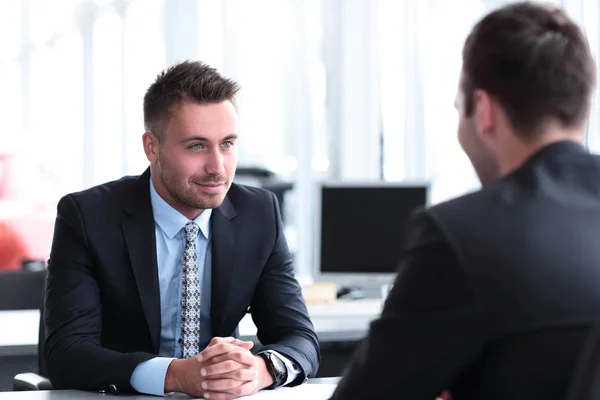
(24, 290)
(585, 383)
(30, 380)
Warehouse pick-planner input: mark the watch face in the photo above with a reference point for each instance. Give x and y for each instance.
(277, 363)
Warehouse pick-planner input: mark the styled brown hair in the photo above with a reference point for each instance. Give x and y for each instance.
(535, 61)
(191, 81)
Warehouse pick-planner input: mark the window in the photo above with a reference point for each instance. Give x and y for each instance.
(420, 46)
(419, 70)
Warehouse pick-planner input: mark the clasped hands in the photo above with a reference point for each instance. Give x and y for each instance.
(226, 369)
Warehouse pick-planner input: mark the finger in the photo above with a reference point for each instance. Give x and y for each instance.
(217, 350)
(224, 367)
(231, 340)
(218, 339)
(246, 389)
(221, 385)
(246, 344)
(243, 357)
(241, 374)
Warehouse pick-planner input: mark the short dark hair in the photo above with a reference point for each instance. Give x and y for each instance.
(535, 61)
(191, 81)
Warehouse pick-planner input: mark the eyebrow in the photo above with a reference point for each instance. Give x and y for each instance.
(203, 139)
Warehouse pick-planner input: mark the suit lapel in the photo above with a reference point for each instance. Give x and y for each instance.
(223, 263)
(138, 230)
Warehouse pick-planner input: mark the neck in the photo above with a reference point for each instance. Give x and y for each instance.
(515, 153)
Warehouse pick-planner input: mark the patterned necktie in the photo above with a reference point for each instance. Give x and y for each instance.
(190, 296)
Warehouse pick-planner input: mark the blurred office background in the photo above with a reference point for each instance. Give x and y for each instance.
(358, 90)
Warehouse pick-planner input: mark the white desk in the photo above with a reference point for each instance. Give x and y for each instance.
(342, 321)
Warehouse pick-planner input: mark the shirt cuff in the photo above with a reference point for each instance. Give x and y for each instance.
(292, 369)
(149, 376)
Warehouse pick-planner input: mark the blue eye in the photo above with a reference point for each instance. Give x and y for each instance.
(197, 146)
(227, 144)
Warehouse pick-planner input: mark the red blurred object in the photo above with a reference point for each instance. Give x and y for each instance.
(12, 248)
(28, 198)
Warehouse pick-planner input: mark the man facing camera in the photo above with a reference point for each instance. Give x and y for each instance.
(149, 276)
(497, 291)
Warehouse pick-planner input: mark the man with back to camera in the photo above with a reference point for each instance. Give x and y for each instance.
(497, 290)
(149, 276)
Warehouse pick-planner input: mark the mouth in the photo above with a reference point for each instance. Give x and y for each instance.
(212, 187)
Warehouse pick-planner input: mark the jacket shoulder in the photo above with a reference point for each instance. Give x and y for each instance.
(105, 196)
(249, 195)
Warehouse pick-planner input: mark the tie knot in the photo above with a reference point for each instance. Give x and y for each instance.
(191, 231)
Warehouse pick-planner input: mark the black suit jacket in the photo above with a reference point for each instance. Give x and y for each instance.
(496, 291)
(102, 300)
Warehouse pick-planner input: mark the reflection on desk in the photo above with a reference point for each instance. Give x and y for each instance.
(312, 390)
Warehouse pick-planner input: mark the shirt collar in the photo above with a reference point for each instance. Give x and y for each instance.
(172, 221)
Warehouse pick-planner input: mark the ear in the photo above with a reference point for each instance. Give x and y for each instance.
(484, 115)
(150, 146)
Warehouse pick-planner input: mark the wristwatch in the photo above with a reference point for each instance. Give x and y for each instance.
(276, 368)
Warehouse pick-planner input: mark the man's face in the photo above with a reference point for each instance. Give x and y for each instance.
(197, 155)
(471, 137)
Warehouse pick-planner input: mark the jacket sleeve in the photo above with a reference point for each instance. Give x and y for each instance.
(279, 311)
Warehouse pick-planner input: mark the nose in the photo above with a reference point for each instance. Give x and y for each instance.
(214, 163)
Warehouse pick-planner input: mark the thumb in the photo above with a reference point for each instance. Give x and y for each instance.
(231, 340)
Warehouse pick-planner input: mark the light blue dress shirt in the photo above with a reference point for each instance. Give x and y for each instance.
(149, 376)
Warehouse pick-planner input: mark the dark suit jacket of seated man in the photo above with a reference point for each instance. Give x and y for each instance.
(114, 289)
(497, 291)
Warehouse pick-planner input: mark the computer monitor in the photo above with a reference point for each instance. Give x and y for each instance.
(361, 230)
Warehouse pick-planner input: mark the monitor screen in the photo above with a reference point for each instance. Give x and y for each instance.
(363, 227)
